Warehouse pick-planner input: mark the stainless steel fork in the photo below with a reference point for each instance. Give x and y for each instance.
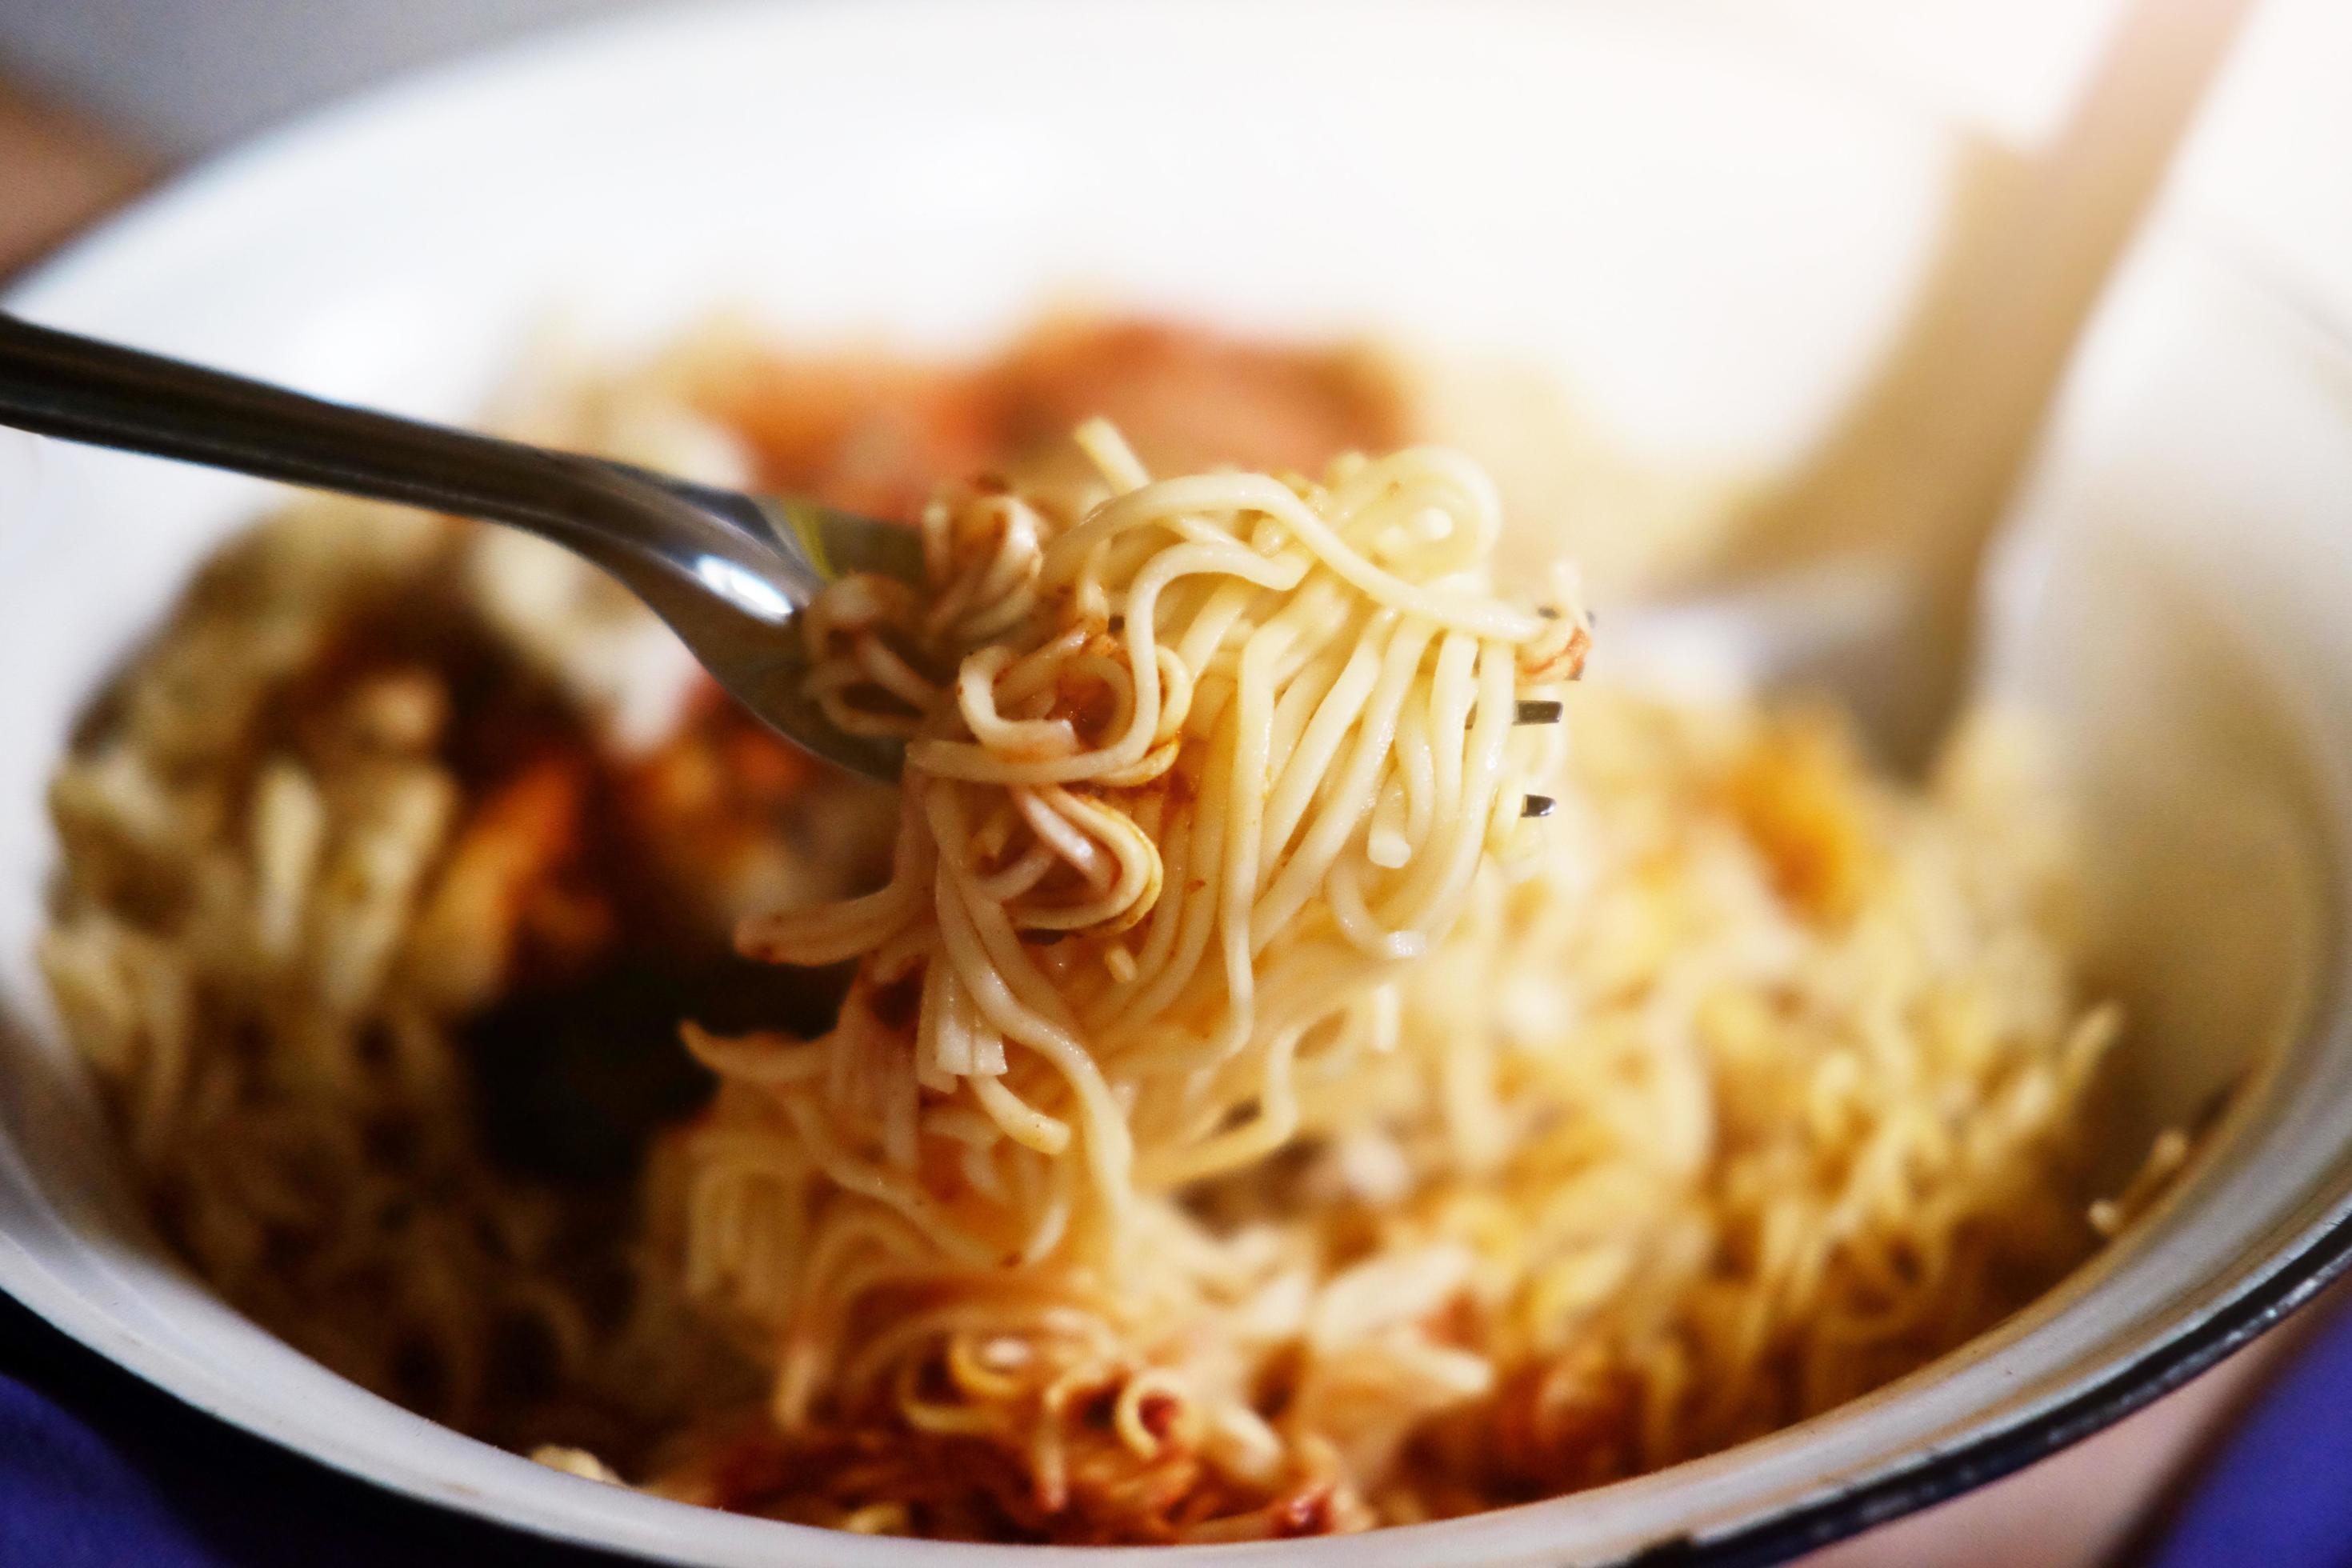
(728, 571)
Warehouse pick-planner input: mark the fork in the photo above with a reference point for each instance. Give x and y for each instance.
(728, 571)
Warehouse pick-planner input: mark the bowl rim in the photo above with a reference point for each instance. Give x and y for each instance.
(2262, 1297)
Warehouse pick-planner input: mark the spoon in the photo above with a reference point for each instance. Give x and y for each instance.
(727, 570)
(1923, 466)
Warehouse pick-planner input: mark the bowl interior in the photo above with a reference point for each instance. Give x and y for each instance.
(1704, 240)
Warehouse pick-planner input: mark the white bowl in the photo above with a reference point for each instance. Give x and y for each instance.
(1706, 237)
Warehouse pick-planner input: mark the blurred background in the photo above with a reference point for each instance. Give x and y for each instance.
(101, 98)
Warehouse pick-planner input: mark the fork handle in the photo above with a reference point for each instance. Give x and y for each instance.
(99, 393)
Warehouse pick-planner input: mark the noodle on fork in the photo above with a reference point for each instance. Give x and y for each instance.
(1192, 765)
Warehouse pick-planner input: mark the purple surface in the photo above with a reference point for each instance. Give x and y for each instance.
(2278, 1492)
(97, 1470)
